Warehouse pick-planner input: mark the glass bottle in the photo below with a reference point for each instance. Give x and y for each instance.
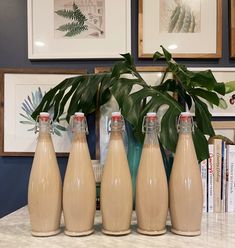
(79, 191)
(45, 187)
(151, 186)
(116, 185)
(185, 187)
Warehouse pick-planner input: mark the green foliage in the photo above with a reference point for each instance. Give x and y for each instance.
(87, 93)
(73, 28)
(78, 21)
(29, 105)
(230, 87)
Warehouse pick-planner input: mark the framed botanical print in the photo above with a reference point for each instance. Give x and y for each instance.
(70, 29)
(21, 92)
(186, 28)
(232, 28)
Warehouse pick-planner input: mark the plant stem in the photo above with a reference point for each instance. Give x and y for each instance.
(164, 76)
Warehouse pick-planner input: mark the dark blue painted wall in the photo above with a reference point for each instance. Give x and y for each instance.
(14, 172)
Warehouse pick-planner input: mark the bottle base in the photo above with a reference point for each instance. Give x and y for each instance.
(78, 234)
(185, 233)
(45, 234)
(151, 233)
(112, 233)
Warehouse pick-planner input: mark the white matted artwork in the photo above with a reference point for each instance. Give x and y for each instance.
(184, 27)
(221, 75)
(225, 128)
(78, 29)
(153, 76)
(22, 94)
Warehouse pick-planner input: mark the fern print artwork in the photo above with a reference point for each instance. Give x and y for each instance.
(29, 105)
(180, 16)
(79, 18)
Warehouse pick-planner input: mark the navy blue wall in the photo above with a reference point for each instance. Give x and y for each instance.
(14, 172)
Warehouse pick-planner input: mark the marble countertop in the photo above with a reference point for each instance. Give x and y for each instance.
(218, 230)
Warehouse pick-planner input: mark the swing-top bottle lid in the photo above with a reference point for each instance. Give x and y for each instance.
(116, 116)
(79, 116)
(152, 115)
(185, 116)
(44, 116)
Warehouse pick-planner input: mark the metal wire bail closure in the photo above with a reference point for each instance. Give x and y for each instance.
(37, 126)
(151, 115)
(116, 116)
(73, 117)
(186, 115)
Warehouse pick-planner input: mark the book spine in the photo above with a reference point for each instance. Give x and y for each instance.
(223, 176)
(230, 193)
(210, 181)
(203, 166)
(217, 175)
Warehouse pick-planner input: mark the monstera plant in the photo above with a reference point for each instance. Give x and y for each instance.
(88, 92)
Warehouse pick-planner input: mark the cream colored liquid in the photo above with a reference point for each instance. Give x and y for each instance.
(151, 191)
(45, 190)
(79, 192)
(116, 189)
(186, 195)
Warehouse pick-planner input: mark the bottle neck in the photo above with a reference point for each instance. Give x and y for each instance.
(44, 128)
(151, 137)
(116, 129)
(151, 127)
(185, 127)
(117, 126)
(79, 127)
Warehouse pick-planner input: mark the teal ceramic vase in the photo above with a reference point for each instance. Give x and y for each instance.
(134, 149)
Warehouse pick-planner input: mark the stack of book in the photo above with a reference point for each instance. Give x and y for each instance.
(218, 178)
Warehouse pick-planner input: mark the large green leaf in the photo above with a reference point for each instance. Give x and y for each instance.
(74, 102)
(211, 97)
(168, 85)
(204, 79)
(203, 117)
(167, 55)
(200, 144)
(191, 79)
(49, 98)
(168, 135)
(65, 99)
(122, 88)
(104, 93)
(58, 107)
(87, 93)
(133, 112)
(220, 88)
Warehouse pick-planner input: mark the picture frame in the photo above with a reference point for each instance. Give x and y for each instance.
(21, 91)
(161, 22)
(221, 74)
(232, 28)
(77, 29)
(152, 75)
(225, 128)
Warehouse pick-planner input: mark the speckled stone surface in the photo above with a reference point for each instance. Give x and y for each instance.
(218, 230)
